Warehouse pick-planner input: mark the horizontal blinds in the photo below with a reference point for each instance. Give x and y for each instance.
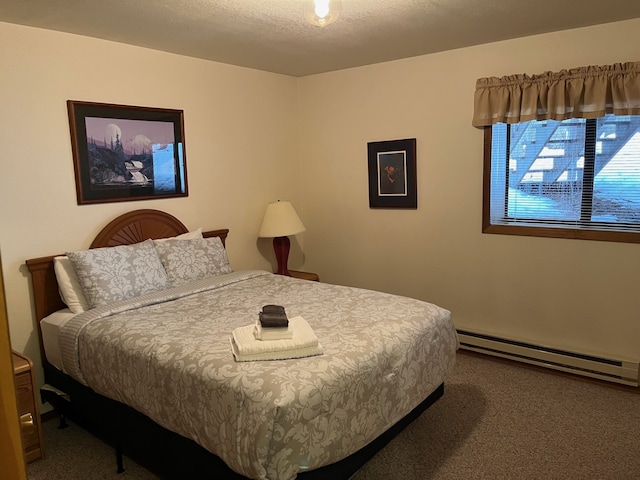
(616, 184)
(574, 173)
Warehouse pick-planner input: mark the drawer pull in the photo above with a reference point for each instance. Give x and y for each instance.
(26, 423)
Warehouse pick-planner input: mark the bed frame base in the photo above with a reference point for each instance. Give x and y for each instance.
(170, 455)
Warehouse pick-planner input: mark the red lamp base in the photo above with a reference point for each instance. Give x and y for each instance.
(281, 246)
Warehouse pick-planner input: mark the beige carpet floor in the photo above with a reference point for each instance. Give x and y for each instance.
(496, 420)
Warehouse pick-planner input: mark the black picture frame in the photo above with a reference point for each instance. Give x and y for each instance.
(392, 174)
(125, 153)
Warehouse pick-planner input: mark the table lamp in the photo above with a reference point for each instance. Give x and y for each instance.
(281, 220)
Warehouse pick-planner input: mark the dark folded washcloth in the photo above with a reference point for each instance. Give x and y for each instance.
(268, 320)
(273, 309)
(271, 320)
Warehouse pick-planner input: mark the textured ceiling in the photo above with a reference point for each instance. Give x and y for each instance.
(272, 35)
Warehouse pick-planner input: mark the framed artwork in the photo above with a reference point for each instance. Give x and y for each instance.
(123, 153)
(392, 174)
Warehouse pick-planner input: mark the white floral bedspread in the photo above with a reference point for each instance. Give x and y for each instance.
(383, 354)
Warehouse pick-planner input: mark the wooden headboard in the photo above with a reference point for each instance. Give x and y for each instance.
(132, 227)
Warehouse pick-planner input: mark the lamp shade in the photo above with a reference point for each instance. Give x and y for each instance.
(280, 220)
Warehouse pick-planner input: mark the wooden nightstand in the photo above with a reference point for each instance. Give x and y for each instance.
(28, 407)
(305, 275)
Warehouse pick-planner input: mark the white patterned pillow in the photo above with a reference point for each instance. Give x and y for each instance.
(190, 260)
(184, 236)
(111, 274)
(69, 285)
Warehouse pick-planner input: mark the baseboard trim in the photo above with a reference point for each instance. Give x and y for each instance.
(608, 369)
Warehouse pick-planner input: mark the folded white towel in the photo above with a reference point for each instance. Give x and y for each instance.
(272, 333)
(276, 355)
(246, 347)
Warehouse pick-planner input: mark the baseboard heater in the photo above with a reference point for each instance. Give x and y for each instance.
(618, 371)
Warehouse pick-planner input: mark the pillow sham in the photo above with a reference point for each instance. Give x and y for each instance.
(192, 235)
(111, 274)
(190, 260)
(69, 285)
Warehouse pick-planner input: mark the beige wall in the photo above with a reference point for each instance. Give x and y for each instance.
(253, 137)
(580, 295)
(240, 148)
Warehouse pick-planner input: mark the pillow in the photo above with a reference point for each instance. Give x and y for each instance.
(111, 274)
(69, 285)
(190, 260)
(184, 236)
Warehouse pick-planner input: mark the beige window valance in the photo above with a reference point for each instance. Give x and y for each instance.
(585, 92)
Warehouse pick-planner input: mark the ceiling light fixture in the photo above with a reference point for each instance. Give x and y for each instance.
(321, 12)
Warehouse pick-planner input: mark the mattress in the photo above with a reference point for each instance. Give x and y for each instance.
(50, 328)
(168, 355)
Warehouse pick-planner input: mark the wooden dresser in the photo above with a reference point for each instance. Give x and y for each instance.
(28, 407)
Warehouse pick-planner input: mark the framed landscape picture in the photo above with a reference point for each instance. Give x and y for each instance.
(124, 153)
(392, 174)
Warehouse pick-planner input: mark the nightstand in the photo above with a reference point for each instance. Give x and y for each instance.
(28, 407)
(305, 275)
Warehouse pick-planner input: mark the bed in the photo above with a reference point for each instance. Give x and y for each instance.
(152, 370)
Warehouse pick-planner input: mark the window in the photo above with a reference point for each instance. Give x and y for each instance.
(574, 178)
